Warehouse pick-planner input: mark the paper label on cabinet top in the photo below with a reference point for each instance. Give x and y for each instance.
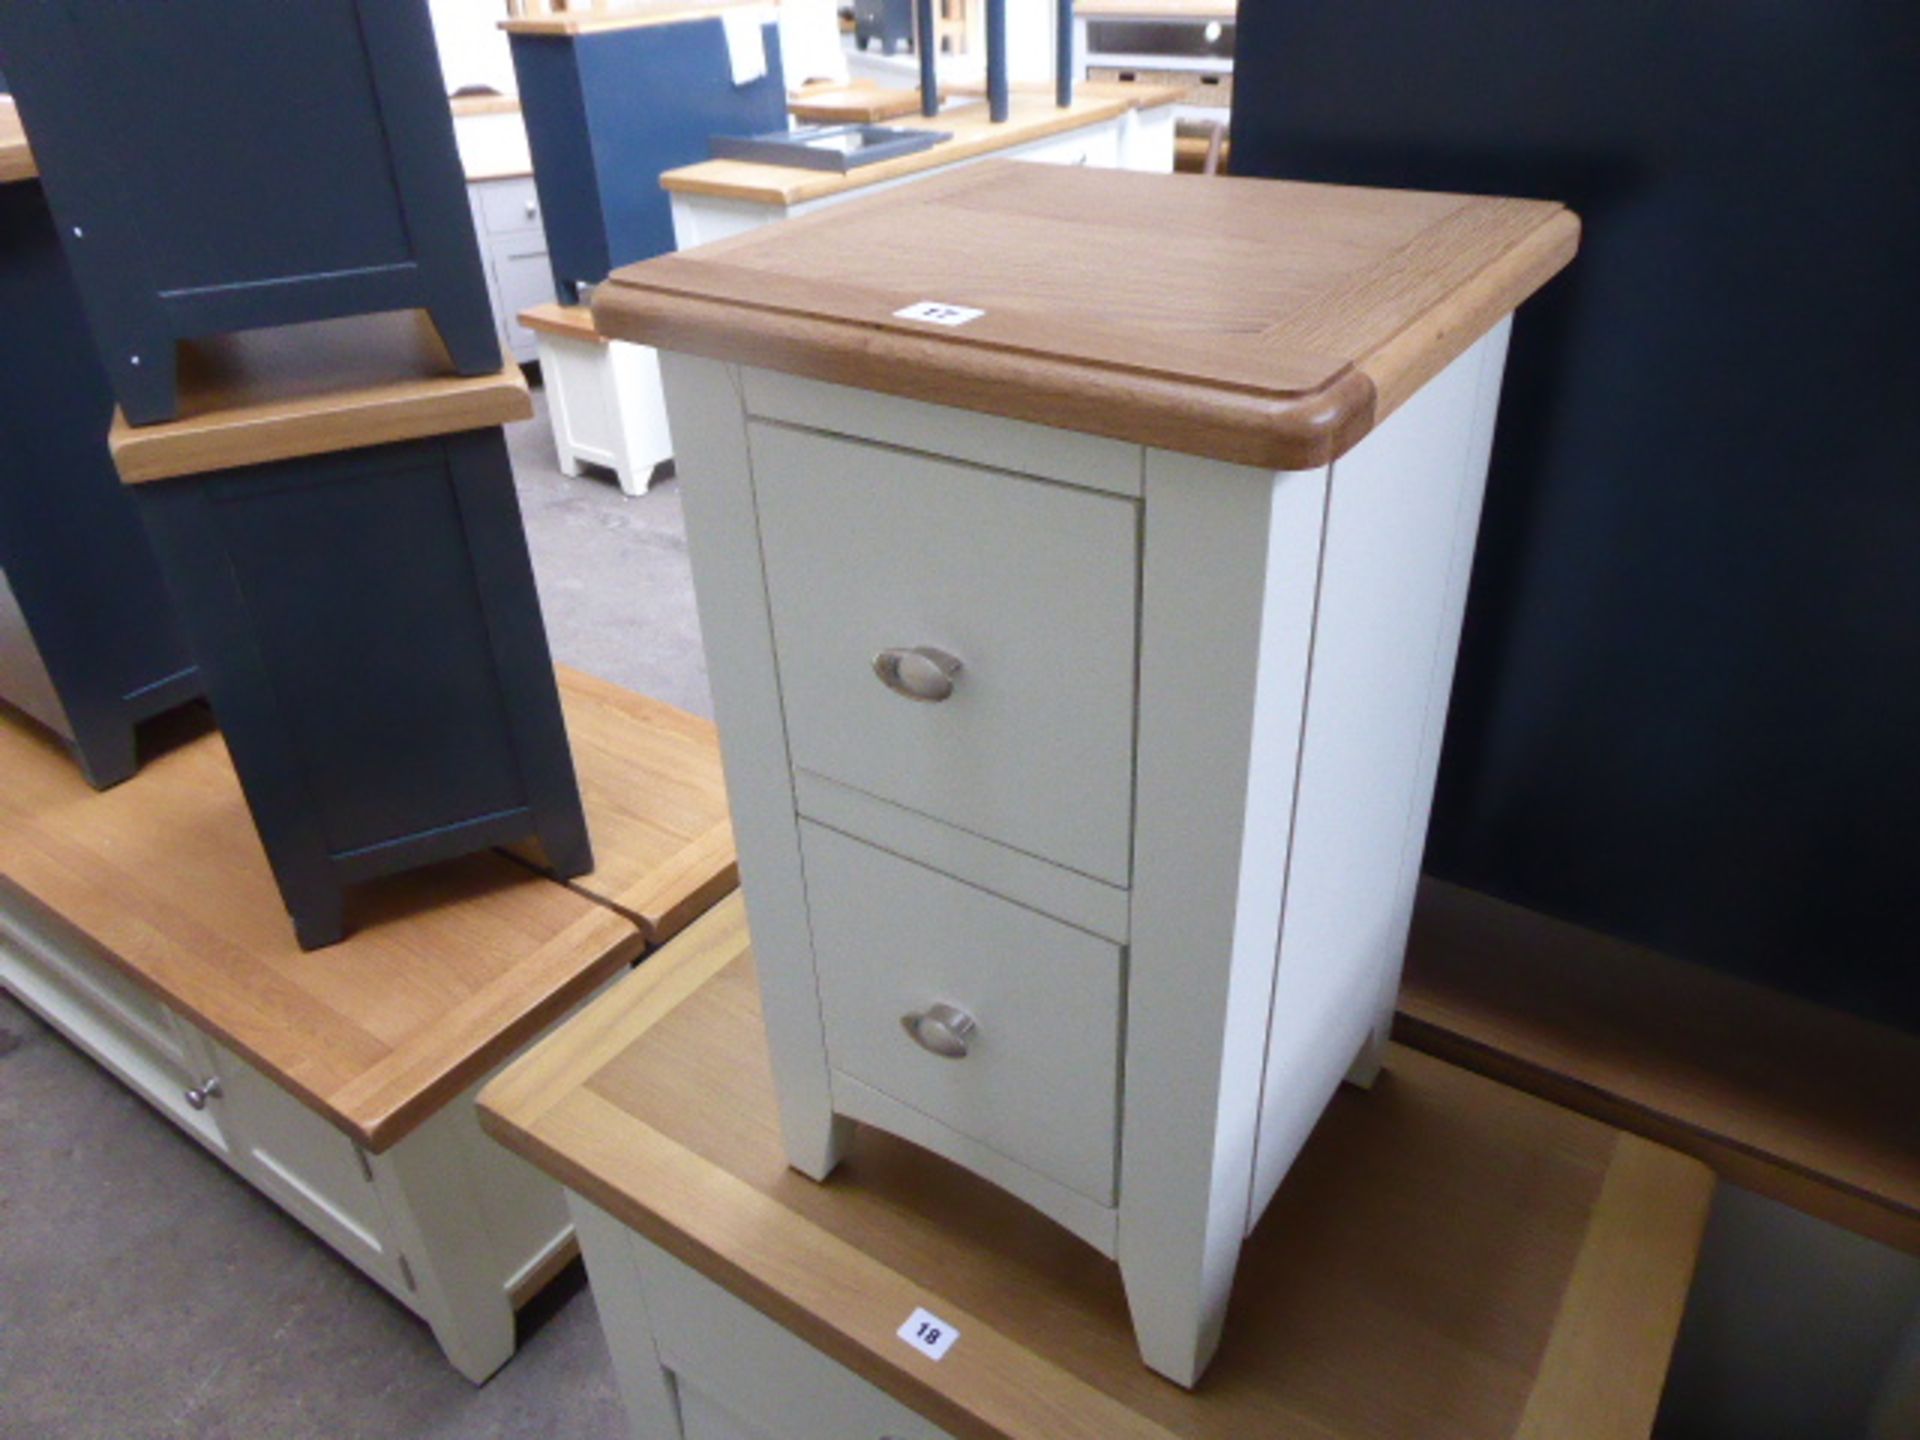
(936, 312)
(929, 1334)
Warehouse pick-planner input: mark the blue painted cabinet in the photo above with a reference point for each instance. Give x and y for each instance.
(223, 165)
(608, 110)
(88, 644)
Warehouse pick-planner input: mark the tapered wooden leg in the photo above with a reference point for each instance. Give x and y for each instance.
(145, 379)
(107, 753)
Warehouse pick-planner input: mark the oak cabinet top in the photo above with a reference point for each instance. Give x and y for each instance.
(1451, 1258)
(298, 390)
(1262, 322)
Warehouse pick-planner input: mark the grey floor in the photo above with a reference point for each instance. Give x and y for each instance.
(146, 1294)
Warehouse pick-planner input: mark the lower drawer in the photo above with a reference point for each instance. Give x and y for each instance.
(742, 1377)
(1038, 1081)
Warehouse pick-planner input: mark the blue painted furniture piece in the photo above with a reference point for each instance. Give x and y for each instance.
(366, 618)
(888, 21)
(222, 165)
(608, 109)
(88, 644)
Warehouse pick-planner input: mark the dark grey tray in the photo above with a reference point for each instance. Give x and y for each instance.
(827, 147)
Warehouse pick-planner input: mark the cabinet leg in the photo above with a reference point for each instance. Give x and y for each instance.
(106, 754)
(318, 909)
(472, 343)
(145, 379)
(817, 1140)
(1177, 1293)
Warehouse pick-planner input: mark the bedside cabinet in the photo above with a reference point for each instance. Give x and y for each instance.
(513, 248)
(1080, 636)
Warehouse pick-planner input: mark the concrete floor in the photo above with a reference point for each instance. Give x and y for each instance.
(146, 1294)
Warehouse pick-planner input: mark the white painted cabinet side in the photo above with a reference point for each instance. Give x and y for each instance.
(647, 1387)
(723, 541)
(1228, 577)
(1403, 507)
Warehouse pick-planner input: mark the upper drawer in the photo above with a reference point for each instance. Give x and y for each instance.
(507, 206)
(1031, 585)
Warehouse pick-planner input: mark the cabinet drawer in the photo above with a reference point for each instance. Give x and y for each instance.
(525, 276)
(743, 1377)
(509, 206)
(1032, 585)
(1039, 1083)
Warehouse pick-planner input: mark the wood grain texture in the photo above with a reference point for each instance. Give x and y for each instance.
(1033, 117)
(1259, 322)
(449, 969)
(1807, 1105)
(298, 390)
(1429, 1269)
(863, 101)
(629, 17)
(656, 804)
(16, 156)
(574, 322)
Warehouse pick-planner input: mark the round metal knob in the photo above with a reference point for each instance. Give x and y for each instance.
(942, 1029)
(208, 1089)
(921, 673)
(533, 209)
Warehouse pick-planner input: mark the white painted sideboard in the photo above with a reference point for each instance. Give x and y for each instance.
(1081, 770)
(445, 1221)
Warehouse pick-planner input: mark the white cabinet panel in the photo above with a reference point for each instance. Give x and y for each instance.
(1031, 585)
(1039, 1082)
(307, 1167)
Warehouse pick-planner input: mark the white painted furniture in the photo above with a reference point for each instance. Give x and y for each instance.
(1081, 771)
(513, 251)
(1435, 1276)
(603, 397)
(445, 1222)
(1184, 42)
(1127, 127)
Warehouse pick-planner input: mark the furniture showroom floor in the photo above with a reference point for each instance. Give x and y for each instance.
(148, 1293)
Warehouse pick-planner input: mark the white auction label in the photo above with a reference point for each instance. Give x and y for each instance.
(928, 1334)
(935, 312)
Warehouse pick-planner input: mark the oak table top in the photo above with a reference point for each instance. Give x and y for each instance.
(1808, 1105)
(1449, 1258)
(629, 17)
(860, 101)
(449, 969)
(656, 804)
(1255, 321)
(16, 156)
(1032, 116)
(298, 390)
(575, 322)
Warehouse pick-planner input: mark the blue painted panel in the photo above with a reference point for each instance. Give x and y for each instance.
(71, 543)
(637, 102)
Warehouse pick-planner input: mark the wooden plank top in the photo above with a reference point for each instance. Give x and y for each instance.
(1031, 116)
(656, 803)
(573, 321)
(16, 156)
(1257, 321)
(630, 16)
(448, 971)
(1448, 1259)
(1807, 1105)
(264, 395)
(862, 101)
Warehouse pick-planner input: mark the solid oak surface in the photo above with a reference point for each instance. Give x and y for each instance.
(16, 156)
(1449, 1258)
(1257, 321)
(448, 969)
(862, 101)
(573, 321)
(1810, 1106)
(297, 390)
(1032, 116)
(656, 804)
(630, 17)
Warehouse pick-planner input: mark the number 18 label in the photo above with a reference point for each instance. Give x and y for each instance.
(929, 1334)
